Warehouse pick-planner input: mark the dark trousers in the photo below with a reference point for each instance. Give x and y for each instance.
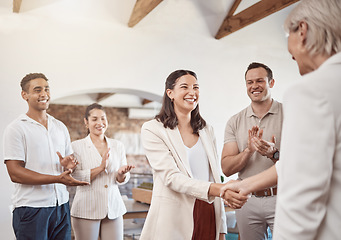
(204, 221)
(47, 223)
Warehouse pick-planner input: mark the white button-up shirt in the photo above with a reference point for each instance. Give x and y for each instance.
(27, 140)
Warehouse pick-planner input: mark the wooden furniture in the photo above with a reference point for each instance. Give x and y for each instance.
(142, 195)
(135, 209)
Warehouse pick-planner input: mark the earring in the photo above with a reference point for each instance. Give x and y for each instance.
(172, 100)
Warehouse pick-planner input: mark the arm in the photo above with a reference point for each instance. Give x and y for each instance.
(233, 161)
(232, 197)
(101, 168)
(19, 174)
(122, 175)
(265, 179)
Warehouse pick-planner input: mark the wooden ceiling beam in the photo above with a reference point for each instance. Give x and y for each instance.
(233, 8)
(145, 101)
(102, 96)
(250, 15)
(141, 9)
(16, 5)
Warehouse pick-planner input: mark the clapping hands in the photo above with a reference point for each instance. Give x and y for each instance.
(69, 162)
(257, 143)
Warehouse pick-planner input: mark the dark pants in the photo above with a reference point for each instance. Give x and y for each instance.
(47, 223)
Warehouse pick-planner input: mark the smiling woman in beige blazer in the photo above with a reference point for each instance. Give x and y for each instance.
(181, 150)
(97, 209)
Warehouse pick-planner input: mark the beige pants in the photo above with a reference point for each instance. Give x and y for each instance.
(88, 229)
(253, 219)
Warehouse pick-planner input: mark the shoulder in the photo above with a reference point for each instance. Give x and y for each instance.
(238, 117)
(57, 123)
(115, 143)
(15, 125)
(78, 143)
(152, 125)
(279, 104)
(240, 114)
(208, 128)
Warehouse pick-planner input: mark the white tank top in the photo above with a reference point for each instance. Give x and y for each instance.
(198, 162)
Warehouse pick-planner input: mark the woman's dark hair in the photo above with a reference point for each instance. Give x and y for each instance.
(167, 114)
(91, 107)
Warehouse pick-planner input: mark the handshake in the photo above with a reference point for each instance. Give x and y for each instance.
(234, 193)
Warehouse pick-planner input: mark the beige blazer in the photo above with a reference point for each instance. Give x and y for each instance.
(174, 189)
(102, 197)
(309, 171)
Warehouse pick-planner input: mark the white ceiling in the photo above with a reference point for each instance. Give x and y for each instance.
(195, 17)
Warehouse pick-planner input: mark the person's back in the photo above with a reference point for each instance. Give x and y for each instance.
(314, 103)
(309, 173)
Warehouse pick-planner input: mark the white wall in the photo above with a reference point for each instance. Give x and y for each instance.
(86, 44)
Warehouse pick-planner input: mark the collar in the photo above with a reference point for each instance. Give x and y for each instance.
(23, 117)
(336, 58)
(89, 142)
(274, 109)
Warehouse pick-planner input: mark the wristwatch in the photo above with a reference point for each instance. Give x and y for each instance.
(276, 155)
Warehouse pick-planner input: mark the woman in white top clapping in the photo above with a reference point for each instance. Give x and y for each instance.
(97, 209)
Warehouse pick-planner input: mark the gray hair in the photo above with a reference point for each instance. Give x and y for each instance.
(323, 18)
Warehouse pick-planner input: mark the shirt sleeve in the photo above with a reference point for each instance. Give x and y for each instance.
(14, 144)
(230, 135)
(80, 173)
(68, 146)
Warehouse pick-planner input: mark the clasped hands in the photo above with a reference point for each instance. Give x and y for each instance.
(234, 194)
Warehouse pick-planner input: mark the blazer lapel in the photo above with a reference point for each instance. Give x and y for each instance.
(91, 147)
(208, 143)
(178, 149)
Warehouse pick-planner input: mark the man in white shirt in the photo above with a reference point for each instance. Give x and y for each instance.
(34, 145)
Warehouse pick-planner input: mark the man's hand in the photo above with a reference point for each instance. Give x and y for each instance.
(232, 195)
(68, 162)
(66, 179)
(252, 133)
(265, 148)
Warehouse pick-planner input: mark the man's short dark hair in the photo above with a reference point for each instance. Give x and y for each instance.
(254, 65)
(24, 82)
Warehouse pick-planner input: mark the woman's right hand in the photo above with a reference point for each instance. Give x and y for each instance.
(232, 195)
(105, 158)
